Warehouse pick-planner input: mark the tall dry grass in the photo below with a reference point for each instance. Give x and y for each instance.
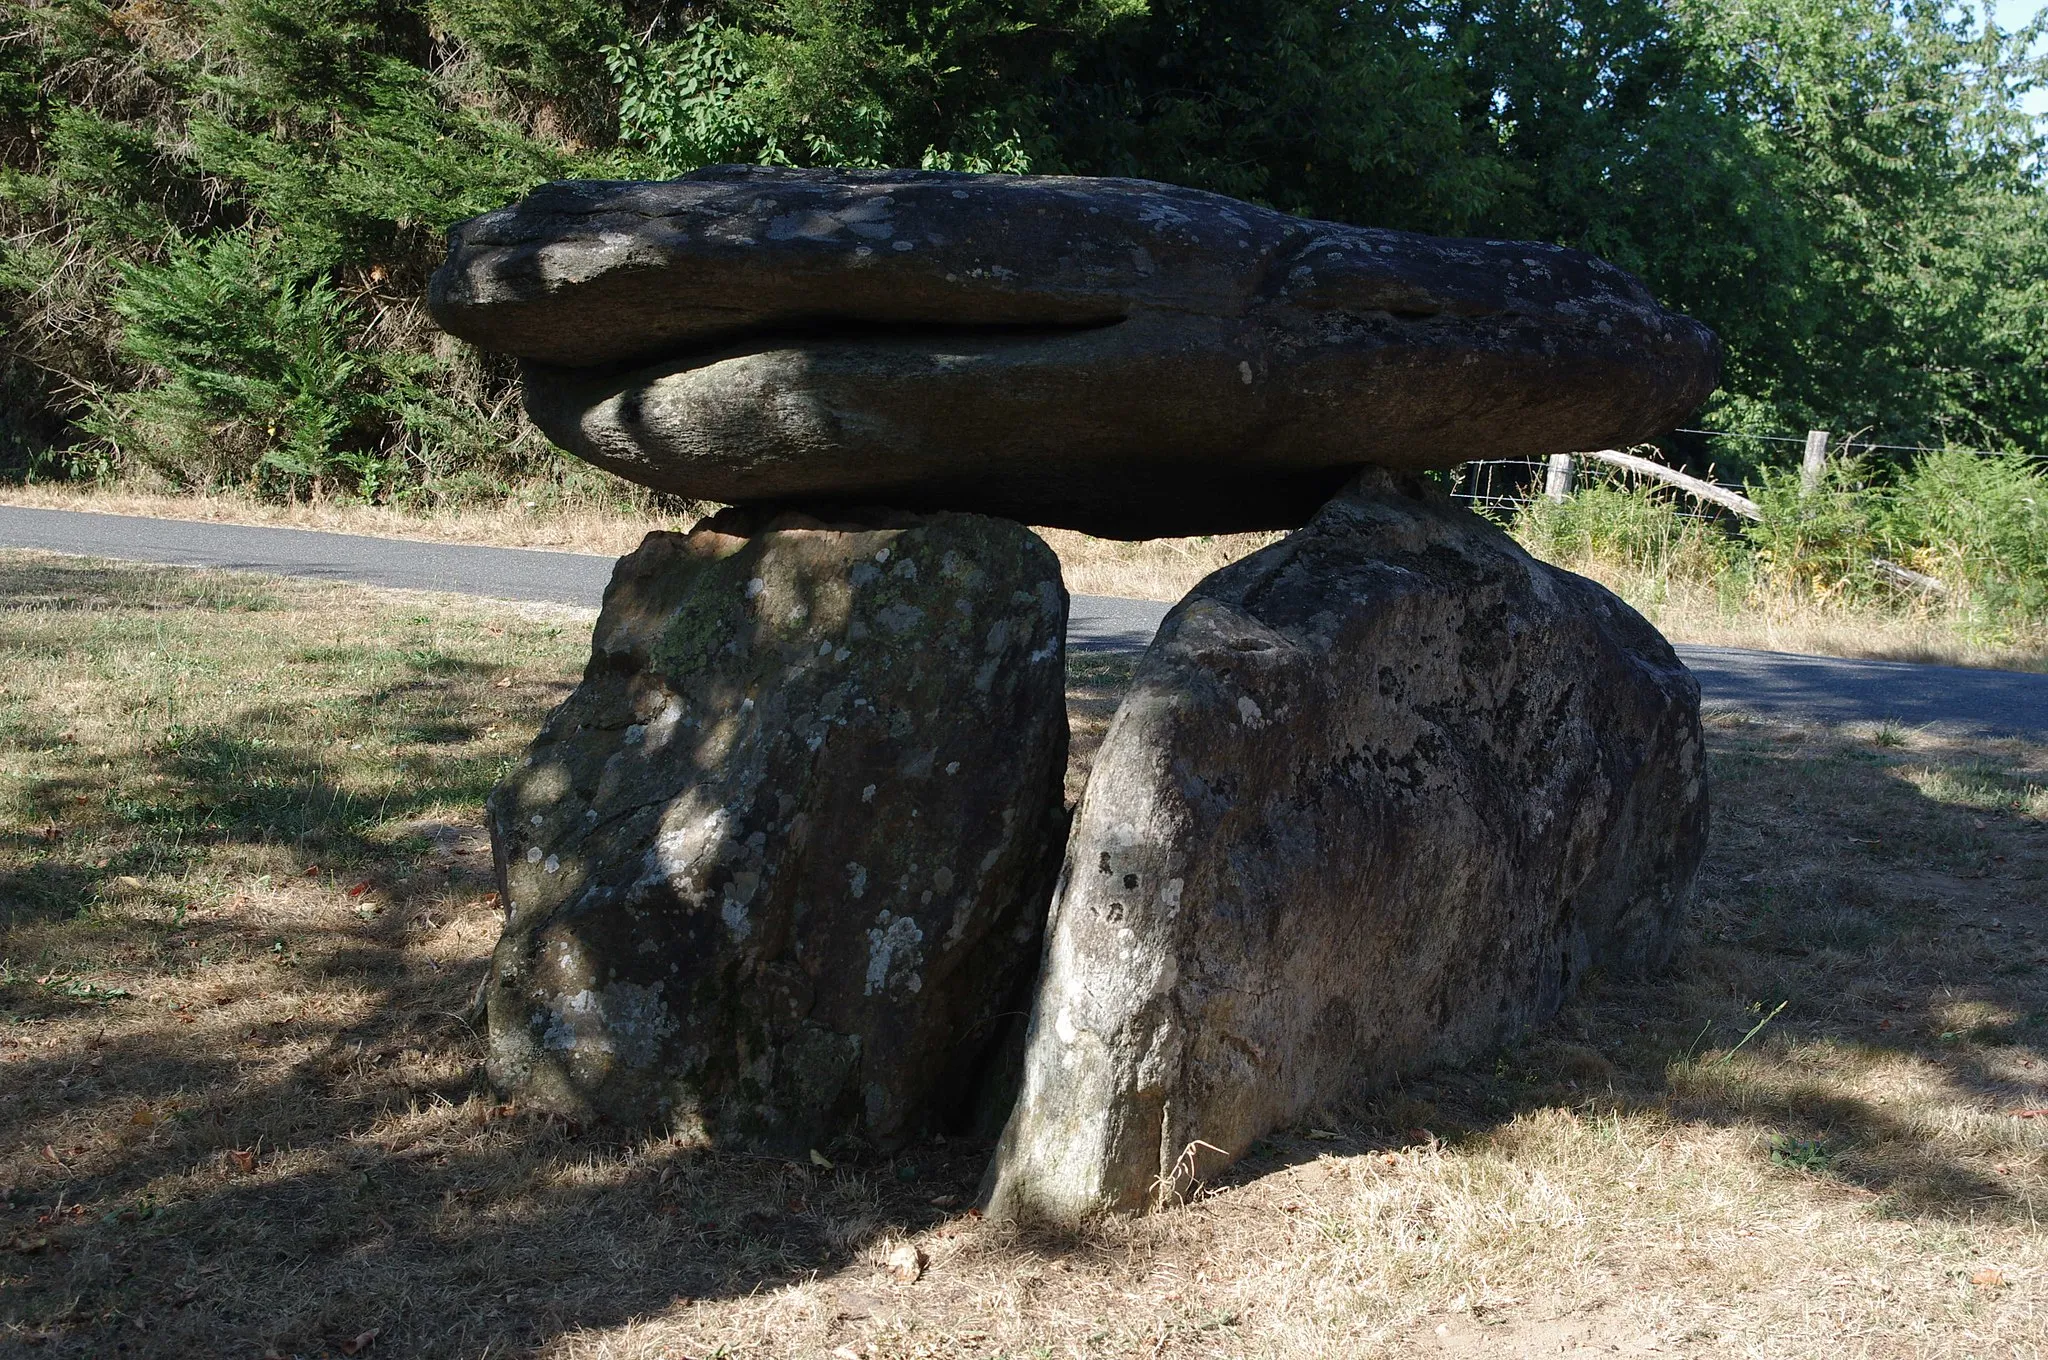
(1806, 580)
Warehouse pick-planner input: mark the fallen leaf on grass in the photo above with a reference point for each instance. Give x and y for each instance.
(145, 1117)
(359, 889)
(243, 1158)
(819, 1159)
(906, 1263)
(2030, 1114)
(1989, 1278)
(359, 1343)
(505, 683)
(50, 1151)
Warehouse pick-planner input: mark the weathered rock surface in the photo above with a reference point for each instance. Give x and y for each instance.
(780, 863)
(1378, 796)
(1123, 357)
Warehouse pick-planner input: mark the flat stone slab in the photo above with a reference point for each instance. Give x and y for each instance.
(1123, 357)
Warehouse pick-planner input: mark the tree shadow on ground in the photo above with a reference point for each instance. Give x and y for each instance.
(243, 1107)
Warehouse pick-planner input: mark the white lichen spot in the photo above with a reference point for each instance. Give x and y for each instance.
(942, 879)
(734, 914)
(1249, 712)
(952, 767)
(881, 554)
(900, 618)
(625, 1020)
(552, 864)
(903, 245)
(635, 733)
(755, 587)
(856, 880)
(867, 795)
(1244, 371)
(533, 854)
(537, 819)
(1169, 893)
(1064, 1026)
(893, 954)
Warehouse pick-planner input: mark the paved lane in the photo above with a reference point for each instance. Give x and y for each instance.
(399, 563)
(1767, 684)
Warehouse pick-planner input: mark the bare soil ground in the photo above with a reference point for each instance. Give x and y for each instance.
(244, 903)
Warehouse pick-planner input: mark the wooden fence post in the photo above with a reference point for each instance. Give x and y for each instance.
(1816, 463)
(1557, 483)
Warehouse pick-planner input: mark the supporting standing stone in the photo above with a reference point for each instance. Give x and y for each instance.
(779, 865)
(1378, 796)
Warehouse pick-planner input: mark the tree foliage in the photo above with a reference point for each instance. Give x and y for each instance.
(217, 216)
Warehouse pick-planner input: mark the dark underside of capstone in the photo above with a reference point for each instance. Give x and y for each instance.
(1122, 357)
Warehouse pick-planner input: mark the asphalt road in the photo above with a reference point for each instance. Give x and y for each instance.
(1766, 684)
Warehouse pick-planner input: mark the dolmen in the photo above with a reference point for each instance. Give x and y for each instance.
(791, 866)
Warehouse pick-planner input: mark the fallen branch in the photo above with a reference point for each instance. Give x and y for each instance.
(1906, 576)
(1692, 486)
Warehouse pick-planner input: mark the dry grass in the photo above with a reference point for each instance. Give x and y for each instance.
(244, 900)
(1703, 610)
(1156, 569)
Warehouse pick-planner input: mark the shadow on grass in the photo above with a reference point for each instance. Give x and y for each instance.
(240, 1128)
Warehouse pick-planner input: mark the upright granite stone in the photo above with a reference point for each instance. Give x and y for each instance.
(778, 867)
(1118, 356)
(1378, 795)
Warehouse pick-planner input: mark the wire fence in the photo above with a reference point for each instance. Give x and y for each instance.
(1850, 444)
(1501, 486)
(1504, 485)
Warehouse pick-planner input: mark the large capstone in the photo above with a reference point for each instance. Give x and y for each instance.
(1378, 796)
(1118, 356)
(778, 868)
